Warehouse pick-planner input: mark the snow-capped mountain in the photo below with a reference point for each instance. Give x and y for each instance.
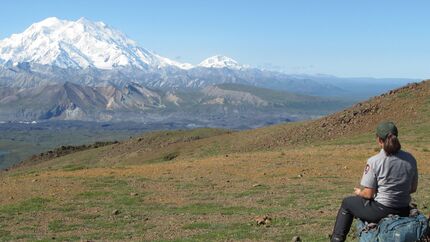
(93, 54)
(79, 44)
(219, 61)
(55, 51)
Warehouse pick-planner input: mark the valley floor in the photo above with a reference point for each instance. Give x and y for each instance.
(215, 198)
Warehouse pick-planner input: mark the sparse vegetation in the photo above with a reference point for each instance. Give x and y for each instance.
(171, 156)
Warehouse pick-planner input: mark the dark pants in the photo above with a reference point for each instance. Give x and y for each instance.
(367, 210)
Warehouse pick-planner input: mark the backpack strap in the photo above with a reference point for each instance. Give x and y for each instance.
(371, 228)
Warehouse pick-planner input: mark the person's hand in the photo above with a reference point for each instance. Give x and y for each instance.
(357, 191)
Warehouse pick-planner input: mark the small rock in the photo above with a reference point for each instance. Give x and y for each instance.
(133, 194)
(296, 239)
(115, 212)
(256, 185)
(264, 220)
(260, 220)
(300, 176)
(34, 180)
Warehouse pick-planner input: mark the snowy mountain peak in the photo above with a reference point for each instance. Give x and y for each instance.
(79, 44)
(85, 20)
(51, 21)
(219, 61)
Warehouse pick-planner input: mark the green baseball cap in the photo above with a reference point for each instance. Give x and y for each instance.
(385, 128)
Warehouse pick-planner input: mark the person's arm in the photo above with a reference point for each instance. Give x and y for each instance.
(366, 192)
(414, 185)
(368, 182)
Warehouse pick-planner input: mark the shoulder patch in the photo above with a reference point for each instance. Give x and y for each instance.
(366, 169)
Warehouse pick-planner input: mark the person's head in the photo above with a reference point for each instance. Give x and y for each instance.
(386, 134)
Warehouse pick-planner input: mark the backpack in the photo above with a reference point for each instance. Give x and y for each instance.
(394, 229)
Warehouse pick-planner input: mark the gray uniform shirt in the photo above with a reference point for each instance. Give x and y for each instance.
(392, 177)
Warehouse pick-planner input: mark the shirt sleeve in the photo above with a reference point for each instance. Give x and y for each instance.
(415, 178)
(369, 177)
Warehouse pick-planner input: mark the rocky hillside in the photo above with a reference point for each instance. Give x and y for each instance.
(406, 106)
(70, 101)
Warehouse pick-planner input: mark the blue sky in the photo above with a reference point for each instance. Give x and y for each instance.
(378, 38)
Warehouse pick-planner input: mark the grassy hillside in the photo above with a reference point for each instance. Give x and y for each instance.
(21, 141)
(207, 184)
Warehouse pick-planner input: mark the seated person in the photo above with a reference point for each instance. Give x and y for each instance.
(388, 180)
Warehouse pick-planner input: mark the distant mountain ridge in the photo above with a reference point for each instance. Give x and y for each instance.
(227, 105)
(219, 61)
